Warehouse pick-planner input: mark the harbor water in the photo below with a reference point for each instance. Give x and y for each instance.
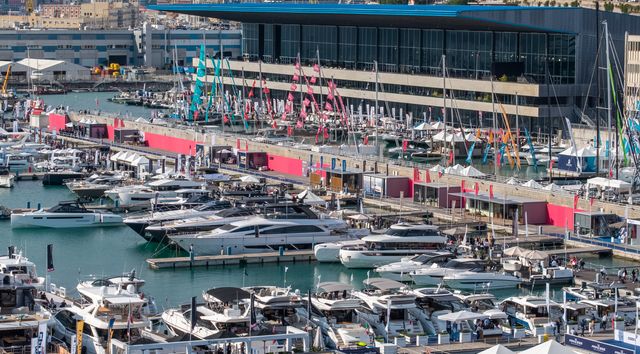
(95, 252)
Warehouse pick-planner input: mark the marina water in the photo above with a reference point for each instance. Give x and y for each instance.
(95, 252)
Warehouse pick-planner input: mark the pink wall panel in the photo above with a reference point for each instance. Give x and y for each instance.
(169, 143)
(57, 122)
(559, 215)
(285, 165)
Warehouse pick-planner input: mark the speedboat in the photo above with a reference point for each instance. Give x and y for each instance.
(226, 314)
(102, 308)
(335, 311)
(95, 185)
(400, 271)
(399, 241)
(257, 234)
(140, 223)
(384, 297)
(435, 274)
(21, 268)
(65, 215)
(22, 318)
(481, 280)
(6, 178)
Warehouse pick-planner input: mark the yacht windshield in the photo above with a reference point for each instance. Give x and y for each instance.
(411, 232)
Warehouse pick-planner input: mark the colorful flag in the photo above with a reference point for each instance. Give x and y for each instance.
(416, 175)
(576, 198)
(427, 176)
(491, 191)
(316, 68)
(253, 86)
(477, 188)
(405, 145)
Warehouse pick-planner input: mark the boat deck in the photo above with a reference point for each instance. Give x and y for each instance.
(230, 259)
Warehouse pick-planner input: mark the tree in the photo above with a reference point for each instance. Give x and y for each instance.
(608, 6)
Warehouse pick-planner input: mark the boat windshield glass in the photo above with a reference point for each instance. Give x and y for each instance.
(454, 263)
(68, 208)
(411, 232)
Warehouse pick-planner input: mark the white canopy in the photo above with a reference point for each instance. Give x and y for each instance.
(436, 168)
(471, 137)
(497, 349)
(471, 171)
(515, 251)
(535, 255)
(549, 347)
(460, 316)
(437, 126)
(424, 126)
(512, 181)
(141, 120)
(454, 170)
(308, 198)
(532, 184)
(602, 182)
(586, 151)
(249, 179)
(451, 137)
(552, 187)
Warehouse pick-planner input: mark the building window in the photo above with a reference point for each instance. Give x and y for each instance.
(289, 43)
(367, 46)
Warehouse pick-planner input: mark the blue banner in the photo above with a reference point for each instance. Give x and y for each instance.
(594, 345)
(485, 155)
(468, 160)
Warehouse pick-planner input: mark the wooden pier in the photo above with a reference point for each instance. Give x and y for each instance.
(29, 176)
(601, 251)
(231, 259)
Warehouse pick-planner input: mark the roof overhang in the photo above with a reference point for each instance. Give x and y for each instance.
(396, 16)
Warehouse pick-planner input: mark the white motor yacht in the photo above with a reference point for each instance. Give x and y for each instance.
(65, 215)
(257, 234)
(141, 222)
(22, 270)
(226, 313)
(143, 194)
(329, 252)
(401, 271)
(22, 318)
(97, 307)
(399, 241)
(335, 311)
(6, 178)
(385, 297)
(531, 312)
(435, 274)
(481, 280)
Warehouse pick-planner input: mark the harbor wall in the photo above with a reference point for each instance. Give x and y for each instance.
(281, 154)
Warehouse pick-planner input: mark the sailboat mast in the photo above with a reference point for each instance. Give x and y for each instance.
(609, 87)
(222, 93)
(597, 143)
(375, 113)
(261, 94)
(494, 128)
(517, 126)
(444, 101)
(320, 75)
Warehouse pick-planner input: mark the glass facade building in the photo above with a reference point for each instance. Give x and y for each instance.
(469, 54)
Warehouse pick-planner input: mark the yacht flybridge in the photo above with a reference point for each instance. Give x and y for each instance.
(21, 269)
(65, 215)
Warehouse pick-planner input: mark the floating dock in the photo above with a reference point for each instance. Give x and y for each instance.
(232, 259)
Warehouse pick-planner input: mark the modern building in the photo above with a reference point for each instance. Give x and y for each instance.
(55, 70)
(632, 74)
(537, 61)
(149, 46)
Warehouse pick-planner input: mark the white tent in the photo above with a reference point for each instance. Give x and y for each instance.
(424, 126)
(515, 251)
(436, 168)
(586, 151)
(454, 170)
(470, 137)
(497, 349)
(460, 316)
(549, 347)
(438, 126)
(141, 120)
(532, 184)
(249, 179)
(471, 171)
(513, 181)
(552, 187)
(308, 198)
(601, 182)
(451, 137)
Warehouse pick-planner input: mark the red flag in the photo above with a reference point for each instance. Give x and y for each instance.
(416, 175)
(246, 145)
(293, 87)
(405, 145)
(195, 115)
(427, 176)
(491, 191)
(326, 133)
(253, 85)
(289, 130)
(312, 80)
(498, 159)
(591, 200)
(610, 173)
(366, 140)
(462, 186)
(300, 124)
(477, 188)
(295, 77)
(316, 68)
(274, 125)
(266, 90)
(550, 166)
(575, 201)
(238, 144)
(451, 157)
(328, 106)
(225, 119)
(310, 90)
(439, 173)
(290, 97)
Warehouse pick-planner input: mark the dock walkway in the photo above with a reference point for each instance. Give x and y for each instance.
(231, 259)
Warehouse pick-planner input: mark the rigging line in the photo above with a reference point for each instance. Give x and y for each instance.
(456, 112)
(593, 73)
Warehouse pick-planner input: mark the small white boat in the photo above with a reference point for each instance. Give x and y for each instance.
(481, 280)
(329, 252)
(65, 215)
(6, 178)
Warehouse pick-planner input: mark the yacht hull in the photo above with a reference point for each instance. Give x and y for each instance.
(372, 258)
(7, 181)
(64, 220)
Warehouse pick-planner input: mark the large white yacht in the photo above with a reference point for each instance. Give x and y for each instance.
(434, 275)
(21, 268)
(258, 234)
(139, 223)
(385, 297)
(138, 195)
(335, 311)
(467, 280)
(21, 316)
(400, 271)
(65, 215)
(399, 241)
(226, 314)
(97, 307)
